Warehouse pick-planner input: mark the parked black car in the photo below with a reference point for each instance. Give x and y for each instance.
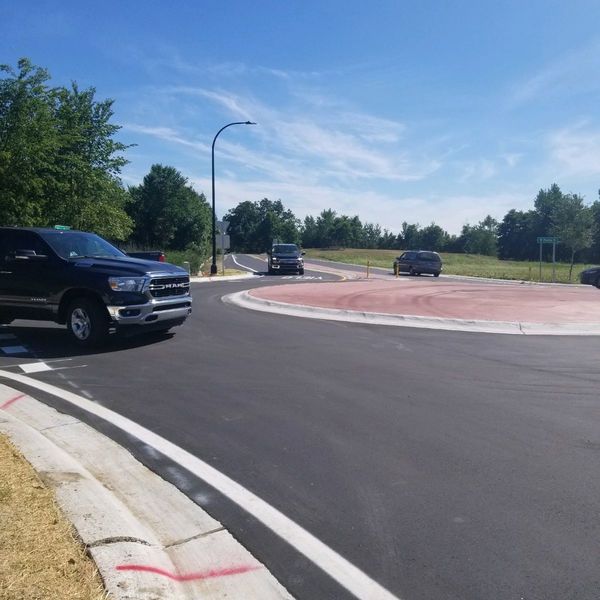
(591, 276)
(415, 262)
(285, 257)
(81, 280)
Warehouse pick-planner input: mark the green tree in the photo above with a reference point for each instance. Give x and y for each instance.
(59, 162)
(387, 240)
(85, 191)
(309, 232)
(254, 225)
(433, 237)
(371, 234)
(517, 234)
(595, 245)
(409, 237)
(573, 223)
(481, 238)
(168, 213)
(326, 228)
(28, 143)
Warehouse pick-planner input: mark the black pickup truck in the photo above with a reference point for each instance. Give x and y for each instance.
(285, 257)
(79, 279)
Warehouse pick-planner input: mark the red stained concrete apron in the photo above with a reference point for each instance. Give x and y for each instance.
(428, 297)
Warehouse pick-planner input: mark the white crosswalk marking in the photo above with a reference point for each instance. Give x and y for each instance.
(37, 367)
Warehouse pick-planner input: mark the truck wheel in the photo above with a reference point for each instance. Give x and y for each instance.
(87, 322)
(598, 283)
(300, 271)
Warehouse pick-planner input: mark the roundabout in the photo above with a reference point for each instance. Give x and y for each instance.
(509, 308)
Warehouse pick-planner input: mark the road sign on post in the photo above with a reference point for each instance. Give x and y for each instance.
(549, 240)
(223, 226)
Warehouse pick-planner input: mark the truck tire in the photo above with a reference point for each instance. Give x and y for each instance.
(87, 322)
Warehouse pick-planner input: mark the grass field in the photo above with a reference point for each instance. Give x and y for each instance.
(473, 265)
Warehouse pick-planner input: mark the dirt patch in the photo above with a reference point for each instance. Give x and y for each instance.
(41, 557)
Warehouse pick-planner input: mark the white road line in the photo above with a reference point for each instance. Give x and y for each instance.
(242, 266)
(37, 367)
(344, 572)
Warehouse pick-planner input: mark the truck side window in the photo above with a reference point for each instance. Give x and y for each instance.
(22, 240)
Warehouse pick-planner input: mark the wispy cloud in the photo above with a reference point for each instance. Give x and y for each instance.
(576, 150)
(167, 134)
(340, 145)
(478, 170)
(574, 72)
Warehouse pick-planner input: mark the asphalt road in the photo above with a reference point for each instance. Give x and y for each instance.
(445, 465)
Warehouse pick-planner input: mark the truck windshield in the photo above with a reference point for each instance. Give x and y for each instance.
(77, 244)
(285, 249)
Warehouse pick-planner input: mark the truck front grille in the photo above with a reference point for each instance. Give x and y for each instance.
(169, 286)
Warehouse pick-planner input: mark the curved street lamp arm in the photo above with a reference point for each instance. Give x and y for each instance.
(229, 125)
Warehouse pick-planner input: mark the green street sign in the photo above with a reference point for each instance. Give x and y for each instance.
(548, 240)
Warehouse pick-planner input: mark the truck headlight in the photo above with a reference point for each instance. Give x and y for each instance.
(274, 259)
(128, 284)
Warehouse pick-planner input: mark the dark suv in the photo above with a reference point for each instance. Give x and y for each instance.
(415, 262)
(81, 280)
(285, 257)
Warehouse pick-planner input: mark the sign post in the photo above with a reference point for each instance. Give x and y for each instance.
(549, 240)
(223, 226)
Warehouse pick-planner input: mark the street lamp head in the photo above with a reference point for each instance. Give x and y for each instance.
(249, 123)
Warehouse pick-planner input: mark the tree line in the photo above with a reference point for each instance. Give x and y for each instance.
(253, 226)
(60, 164)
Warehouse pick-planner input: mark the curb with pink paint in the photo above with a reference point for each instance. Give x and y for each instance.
(149, 540)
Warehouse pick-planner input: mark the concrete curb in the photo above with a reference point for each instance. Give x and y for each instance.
(218, 278)
(246, 300)
(149, 540)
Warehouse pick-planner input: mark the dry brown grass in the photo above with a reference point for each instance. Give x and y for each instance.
(40, 555)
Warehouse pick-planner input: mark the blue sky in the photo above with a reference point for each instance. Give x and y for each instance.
(395, 111)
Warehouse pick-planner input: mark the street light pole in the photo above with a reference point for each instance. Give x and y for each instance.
(213, 266)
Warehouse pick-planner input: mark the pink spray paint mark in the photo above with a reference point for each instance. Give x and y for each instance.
(190, 576)
(12, 401)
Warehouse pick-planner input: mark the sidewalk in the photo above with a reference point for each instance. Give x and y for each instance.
(149, 540)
